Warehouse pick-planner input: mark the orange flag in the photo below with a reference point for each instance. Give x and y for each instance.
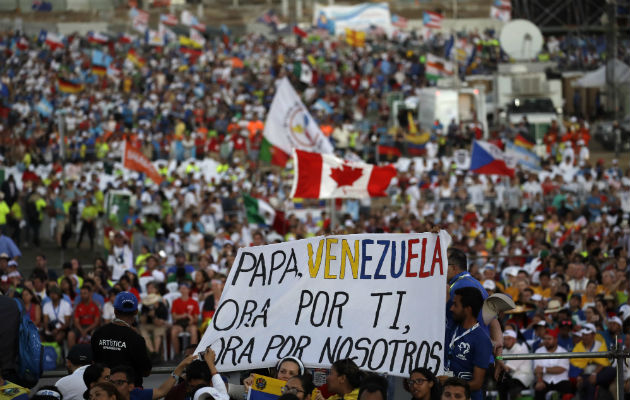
(136, 161)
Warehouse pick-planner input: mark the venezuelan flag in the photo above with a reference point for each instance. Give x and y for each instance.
(67, 86)
(416, 143)
(265, 388)
(412, 125)
(522, 141)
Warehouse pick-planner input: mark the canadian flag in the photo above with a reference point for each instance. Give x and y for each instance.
(324, 176)
(134, 160)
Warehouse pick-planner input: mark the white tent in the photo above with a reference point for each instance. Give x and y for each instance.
(597, 78)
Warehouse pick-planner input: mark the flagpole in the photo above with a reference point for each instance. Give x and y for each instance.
(333, 214)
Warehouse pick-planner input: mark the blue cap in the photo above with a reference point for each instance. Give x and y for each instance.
(126, 302)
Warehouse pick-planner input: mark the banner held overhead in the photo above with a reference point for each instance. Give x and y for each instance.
(376, 298)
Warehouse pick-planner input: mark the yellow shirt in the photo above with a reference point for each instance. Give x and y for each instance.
(4, 211)
(354, 395)
(599, 345)
(89, 213)
(545, 293)
(16, 210)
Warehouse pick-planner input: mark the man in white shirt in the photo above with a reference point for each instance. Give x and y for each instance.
(121, 257)
(72, 386)
(518, 373)
(551, 374)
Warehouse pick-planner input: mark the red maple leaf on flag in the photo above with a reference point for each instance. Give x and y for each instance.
(346, 175)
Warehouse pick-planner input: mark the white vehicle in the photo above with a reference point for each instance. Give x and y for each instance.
(444, 104)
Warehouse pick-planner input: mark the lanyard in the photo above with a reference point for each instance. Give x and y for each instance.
(465, 275)
(57, 310)
(447, 361)
(455, 339)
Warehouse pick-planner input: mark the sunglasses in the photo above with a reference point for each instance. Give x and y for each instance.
(418, 381)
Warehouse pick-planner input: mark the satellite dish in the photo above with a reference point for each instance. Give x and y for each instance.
(521, 40)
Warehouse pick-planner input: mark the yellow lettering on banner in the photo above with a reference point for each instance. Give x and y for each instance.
(313, 269)
(354, 261)
(329, 258)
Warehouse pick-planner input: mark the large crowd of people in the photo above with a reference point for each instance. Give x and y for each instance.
(555, 240)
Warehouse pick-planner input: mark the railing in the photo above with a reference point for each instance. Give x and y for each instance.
(617, 353)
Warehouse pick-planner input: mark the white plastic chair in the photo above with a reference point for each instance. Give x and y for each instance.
(172, 287)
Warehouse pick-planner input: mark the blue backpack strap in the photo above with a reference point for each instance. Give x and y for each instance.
(20, 306)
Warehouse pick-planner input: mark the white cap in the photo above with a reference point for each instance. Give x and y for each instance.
(588, 328)
(489, 284)
(616, 320)
(509, 333)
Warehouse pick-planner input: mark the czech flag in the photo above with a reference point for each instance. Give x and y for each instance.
(488, 159)
(265, 388)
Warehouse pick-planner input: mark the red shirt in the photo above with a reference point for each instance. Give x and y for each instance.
(190, 307)
(87, 313)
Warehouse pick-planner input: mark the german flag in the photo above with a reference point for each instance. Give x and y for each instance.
(136, 59)
(99, 70)
(522, 141)
(355, 38)
(67, 86)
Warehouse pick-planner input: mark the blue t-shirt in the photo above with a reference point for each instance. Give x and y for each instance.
(468, 351)
(141, 394)
(463, 279)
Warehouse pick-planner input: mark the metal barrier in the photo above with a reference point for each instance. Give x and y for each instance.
(617, 353)
(60, 373)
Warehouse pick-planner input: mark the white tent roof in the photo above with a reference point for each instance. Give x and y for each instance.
(597, 78)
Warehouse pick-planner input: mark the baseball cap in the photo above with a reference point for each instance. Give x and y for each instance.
(588, 328)
(4, 255)
(616, 320)
(552, 332)
(489, 285)
(80, 354)
(126, 302)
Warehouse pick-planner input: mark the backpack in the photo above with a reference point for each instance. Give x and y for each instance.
(51, 355)
(30, 354)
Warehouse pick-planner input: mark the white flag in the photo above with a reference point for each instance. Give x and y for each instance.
(290, 126)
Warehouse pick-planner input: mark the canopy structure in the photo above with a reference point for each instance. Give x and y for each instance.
(597, 78)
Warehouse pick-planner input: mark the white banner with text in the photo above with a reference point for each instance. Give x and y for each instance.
(376, 298)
